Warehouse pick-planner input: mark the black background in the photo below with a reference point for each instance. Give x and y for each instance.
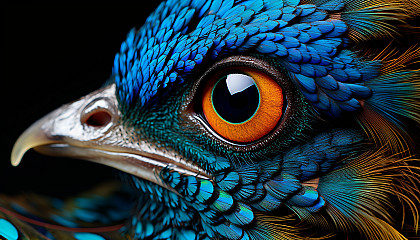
(51, 55)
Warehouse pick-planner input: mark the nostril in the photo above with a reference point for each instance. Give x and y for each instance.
(99, 118)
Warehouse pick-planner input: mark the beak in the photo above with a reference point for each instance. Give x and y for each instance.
(91, 128)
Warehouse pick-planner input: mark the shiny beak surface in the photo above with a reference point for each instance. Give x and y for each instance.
(91, 129)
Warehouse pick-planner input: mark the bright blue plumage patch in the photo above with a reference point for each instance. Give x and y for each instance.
(88, 236)
(7, 230)
(180, 35)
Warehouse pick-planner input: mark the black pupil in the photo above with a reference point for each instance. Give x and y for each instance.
(235, 97)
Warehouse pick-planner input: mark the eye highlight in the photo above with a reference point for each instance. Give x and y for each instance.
(242, 104)
(235, 98)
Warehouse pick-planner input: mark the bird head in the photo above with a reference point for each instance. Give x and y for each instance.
(251, 120)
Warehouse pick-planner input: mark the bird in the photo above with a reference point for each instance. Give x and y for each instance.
(243, 119)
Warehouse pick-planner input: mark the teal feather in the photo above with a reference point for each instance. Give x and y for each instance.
(307, 197)
(224, 202)
(267, 204)
(229, 181)
(242, 215)
(395, 96)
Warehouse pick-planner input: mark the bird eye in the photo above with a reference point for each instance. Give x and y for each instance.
(242, 104)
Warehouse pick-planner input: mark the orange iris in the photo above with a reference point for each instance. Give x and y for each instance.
(267, 101)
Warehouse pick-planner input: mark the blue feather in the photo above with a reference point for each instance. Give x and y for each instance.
(224, 202)
(307, 197)
(243, 215)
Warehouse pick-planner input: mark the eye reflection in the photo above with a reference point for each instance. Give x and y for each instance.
(235, 98)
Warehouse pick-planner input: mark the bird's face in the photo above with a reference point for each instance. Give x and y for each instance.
(234, 120)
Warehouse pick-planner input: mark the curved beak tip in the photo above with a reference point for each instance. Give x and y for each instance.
(16, 157)
(30, 138)
(21, 146)
(19, 149)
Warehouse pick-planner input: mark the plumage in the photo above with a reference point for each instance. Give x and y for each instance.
(337, 164)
